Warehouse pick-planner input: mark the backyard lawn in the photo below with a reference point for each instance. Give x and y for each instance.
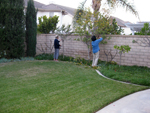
(52, 87)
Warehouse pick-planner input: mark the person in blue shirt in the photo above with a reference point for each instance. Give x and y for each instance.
(56, 46)
(95, 49)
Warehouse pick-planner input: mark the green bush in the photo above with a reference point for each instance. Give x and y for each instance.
(47, 25)
(77, 60)
(44, 57)
(145, 30)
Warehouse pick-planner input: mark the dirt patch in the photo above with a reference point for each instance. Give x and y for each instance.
(33, 71)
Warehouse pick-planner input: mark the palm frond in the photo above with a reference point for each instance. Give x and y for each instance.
(125, 4)
(128, 6)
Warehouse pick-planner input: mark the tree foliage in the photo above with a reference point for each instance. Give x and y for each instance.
(115, 29)
(31, 29)
(145, 41)
(12, 30)
(47, 25)
(85, 27)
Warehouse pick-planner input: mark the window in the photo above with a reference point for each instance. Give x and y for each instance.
(51, 14)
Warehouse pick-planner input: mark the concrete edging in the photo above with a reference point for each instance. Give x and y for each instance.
(115, 80)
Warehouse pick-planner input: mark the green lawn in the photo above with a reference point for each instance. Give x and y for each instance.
(56, 87)
(131, 74)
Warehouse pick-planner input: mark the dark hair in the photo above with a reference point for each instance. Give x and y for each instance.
(93, 38)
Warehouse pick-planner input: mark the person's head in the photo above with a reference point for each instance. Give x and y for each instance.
(56, 37)
(93, 38)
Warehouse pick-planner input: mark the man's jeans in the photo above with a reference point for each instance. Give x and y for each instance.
(56, 54)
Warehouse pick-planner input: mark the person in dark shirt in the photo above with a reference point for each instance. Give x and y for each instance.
(56, 46)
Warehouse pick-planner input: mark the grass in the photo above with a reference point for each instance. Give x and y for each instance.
(132, 74)
(47, 86)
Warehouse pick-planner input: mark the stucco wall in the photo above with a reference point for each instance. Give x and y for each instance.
(137, 56)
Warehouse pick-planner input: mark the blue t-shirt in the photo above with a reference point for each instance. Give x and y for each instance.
(95, 45)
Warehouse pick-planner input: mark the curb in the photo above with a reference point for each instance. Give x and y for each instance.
(115, 80)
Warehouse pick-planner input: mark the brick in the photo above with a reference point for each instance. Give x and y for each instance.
(144, 57)
(139, 60)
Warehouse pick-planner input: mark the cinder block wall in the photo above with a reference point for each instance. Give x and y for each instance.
(136, 56)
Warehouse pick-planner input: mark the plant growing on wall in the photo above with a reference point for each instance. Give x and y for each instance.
(44, 50)
(12, 30)
(31, 29)
(122, 49)
(63, 32)
(47, 25)
(109, 53)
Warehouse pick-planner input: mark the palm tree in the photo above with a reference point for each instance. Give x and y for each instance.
(96, 4)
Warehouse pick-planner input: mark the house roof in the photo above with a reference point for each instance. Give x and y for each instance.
(120, 22)
(60, 8)
(36, 4)
(52, 7)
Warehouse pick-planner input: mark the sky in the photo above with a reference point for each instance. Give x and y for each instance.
(142, 6)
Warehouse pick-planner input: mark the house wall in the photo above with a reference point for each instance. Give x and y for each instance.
(60, 18)
(67, 19)
(127, 31)
(39, 14)
(136, 56)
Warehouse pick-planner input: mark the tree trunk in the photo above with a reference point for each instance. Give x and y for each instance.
(63, 49)
(120, 58)
(96, 4)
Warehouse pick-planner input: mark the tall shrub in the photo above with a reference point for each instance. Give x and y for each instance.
(2, 24)
(12, 28)
(31, 29)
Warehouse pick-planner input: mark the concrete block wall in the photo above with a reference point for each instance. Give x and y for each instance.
(136, 56)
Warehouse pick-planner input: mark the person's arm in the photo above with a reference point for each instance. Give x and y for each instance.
(100, 39)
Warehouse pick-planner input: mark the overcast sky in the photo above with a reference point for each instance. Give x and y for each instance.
(142, 6)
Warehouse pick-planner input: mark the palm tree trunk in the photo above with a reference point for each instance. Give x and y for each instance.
(96, 4)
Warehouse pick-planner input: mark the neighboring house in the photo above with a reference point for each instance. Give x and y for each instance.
(65, 13)
(136, 27)
(122, 24)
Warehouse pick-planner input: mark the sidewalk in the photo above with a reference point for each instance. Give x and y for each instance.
(135, 103)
